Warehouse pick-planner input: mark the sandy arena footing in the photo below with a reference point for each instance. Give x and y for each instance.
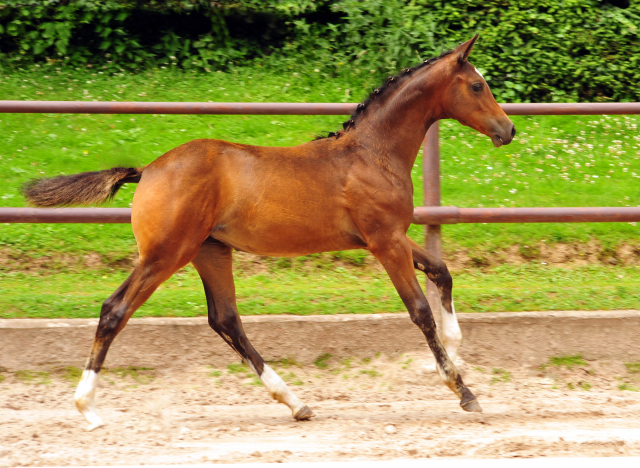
(173, 394)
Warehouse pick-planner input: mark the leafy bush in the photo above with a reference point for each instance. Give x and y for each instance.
(544, 50)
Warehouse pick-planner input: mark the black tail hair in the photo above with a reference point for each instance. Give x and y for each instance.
(86, 188)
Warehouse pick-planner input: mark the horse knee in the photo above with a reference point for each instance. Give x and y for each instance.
(444, 282)
(440, 275)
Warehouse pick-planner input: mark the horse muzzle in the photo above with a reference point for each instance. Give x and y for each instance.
(503, 136)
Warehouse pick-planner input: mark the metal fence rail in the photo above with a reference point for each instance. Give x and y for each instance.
(65, 215)
(209, 108)
(434, 215)
(282, 108)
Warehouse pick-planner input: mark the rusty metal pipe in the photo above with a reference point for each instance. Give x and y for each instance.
(580, 108)
(431, 194)
(277, 108)
(221, 108)
(433, 215)
(455, 215)
(65, 215)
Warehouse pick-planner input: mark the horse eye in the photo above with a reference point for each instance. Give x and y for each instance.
(476, 87)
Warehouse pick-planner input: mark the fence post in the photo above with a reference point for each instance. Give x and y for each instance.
(431, 192)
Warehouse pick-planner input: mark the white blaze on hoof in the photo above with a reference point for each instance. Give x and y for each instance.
(85, 399)
(451, 334)
(280, 392)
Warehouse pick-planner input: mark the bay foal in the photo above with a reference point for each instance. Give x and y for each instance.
(350, 190)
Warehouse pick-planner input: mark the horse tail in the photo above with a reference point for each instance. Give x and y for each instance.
(86, 188)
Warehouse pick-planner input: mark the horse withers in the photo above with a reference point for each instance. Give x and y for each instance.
(199, 201)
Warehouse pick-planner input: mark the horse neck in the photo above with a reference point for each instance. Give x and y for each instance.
(395, 127)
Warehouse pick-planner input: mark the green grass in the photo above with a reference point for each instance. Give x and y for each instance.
(33, 377)
(585, 385)
(547, 165)
(38, 145)
(632, 367)
(321, 361)
(238, 368)
(506, 288)
(71, 374)
(242, 370)
(628, 387)
(285, 363)
(288, 377)
(143, 375)
(500, 376)
(567, 361)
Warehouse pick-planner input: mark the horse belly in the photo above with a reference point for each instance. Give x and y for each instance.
(286, 239)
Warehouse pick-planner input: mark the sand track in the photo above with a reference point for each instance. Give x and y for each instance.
(367, 410)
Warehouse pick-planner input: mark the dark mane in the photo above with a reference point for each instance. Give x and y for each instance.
(382, 90)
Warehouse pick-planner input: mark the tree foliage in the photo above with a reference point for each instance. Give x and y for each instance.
(530, 50)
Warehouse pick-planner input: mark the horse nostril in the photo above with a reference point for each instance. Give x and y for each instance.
(513, 131)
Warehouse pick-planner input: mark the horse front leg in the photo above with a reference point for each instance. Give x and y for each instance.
(437, 271)
(395, 255)
(214, 264)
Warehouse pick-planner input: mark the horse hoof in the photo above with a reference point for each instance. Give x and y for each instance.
(472, 406)
(304, 414)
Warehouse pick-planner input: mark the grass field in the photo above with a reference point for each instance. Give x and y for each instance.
(338, 291)
(554, 161)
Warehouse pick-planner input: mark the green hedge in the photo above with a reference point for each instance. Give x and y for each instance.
(562, 50)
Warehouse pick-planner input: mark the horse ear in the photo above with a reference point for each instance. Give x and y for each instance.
(464, 49)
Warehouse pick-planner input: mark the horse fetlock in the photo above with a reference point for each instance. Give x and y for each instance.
(85, 399)
(279, 390)
(451, 378)
(86, 390)
(276, 395)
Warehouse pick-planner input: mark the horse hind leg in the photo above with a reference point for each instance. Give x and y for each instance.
(115, 313)
(214, 264)
(437, 271)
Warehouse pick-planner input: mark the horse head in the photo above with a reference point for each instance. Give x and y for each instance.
(468, 99)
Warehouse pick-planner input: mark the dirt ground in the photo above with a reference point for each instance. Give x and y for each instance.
(367, 409)
(458, 258)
